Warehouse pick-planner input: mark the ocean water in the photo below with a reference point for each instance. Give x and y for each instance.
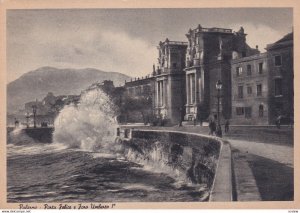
(84, 163)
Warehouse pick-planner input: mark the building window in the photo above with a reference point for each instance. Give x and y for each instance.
(239, 110)
(147, 89)
(248, 112)
(249, 90)
(261, 110)
(278, 61)
(258, 89)
(249, 69)
(138, 90)
(131, 91)
(193, 87)
(239, 71)
(260, 68)
(278, 86)
(240, 92)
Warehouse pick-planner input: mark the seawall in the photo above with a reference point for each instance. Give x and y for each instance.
(40, 134)
(204, 160)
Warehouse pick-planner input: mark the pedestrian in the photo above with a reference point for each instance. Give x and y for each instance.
(227, 126)
(278, 121)
(180, 122)
(212, 127)
(195, 121)
(180, 119)
(16, 123)
(201, 122)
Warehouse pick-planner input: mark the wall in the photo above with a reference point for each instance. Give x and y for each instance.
(39, 135)
(43, 135)
(201, 159)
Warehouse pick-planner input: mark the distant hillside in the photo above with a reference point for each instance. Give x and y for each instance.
(37, 83)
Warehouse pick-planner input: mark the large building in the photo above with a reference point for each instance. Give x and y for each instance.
(256, 87)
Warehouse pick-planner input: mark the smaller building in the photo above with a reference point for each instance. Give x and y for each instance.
(140, 87)
(263, 86)
(137, 105)
(281, 79)
(250, 90)
(107, 86)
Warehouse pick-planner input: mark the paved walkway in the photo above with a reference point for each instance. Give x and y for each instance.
(262, 171)
(280, 153)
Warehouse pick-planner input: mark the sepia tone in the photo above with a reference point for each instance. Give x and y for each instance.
(212, 120)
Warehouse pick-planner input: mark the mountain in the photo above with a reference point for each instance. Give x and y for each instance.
(36, 84)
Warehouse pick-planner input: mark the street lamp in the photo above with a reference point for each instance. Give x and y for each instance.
(27, 119)
(34, 108)
(219, 87)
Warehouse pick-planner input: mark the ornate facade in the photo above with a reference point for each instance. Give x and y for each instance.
(169, 81)
(208, 57)
(184, 79)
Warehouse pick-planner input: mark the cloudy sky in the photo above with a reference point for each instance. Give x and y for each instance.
(122, 40)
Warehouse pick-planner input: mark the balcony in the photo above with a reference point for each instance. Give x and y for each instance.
(196, 61)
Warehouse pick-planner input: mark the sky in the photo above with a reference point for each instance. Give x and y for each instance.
(123, 40)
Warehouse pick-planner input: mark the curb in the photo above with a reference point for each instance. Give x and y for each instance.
(222, 186)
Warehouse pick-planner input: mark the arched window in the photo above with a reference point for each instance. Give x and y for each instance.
(261, 110)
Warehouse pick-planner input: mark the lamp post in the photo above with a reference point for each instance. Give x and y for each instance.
(34, 108)
(27, 119)
(219, 87)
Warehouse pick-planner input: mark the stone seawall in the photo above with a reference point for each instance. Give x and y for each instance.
(204, 160)
(43, 135)
(40, 134)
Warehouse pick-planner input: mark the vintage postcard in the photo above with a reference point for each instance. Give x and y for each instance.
(140, 104)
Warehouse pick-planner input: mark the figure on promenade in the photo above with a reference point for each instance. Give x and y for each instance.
(180, 119)
(227, 126)
(16, 123)
(212, 126)
(278, 121)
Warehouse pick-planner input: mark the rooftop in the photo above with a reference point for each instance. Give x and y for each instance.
(249, 58)
(284, 41)
(167, 41)
(212, 30)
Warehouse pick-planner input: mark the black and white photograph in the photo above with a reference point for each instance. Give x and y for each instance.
(112, 105)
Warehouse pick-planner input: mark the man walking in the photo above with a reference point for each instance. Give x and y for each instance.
(227, 126)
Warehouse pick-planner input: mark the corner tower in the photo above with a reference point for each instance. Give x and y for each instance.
(169, 81)
(208, 57)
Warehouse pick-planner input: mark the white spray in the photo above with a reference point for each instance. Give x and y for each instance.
(90, 125)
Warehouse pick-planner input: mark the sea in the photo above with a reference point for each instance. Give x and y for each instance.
(84, 163)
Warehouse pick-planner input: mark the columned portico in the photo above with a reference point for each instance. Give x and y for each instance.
(161, 96)
(193, 93)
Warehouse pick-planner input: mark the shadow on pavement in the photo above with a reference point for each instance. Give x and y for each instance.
(275, 181)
